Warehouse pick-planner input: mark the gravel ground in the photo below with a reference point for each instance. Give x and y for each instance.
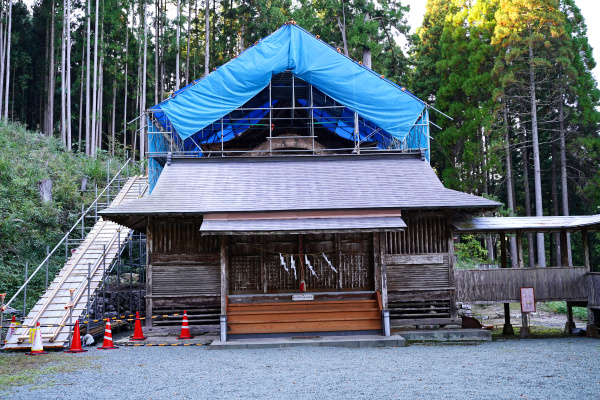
(536, 369)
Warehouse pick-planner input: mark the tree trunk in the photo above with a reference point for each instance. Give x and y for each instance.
(555, 260)
(143, 104)
(114, 115)
(177, 53)
(88, 131)
(563, 172)
(187, 53)
(509, 186)
(68, 85)
(531, 247)
(51, 81)
(99, 103)
(206, 39)
(537, 175)
(8, 42)
(80, 104)
(63, 60)
(156, 52)
(126, 75)
(93, 134)
(45, 189)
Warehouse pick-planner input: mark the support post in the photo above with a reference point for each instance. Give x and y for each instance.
(149, 289)
(2, 296)
(47, 261)
(450, 241)
(508, 328)
(565, 251)
(384, 291)
(25, 291)
(570, 324)
(89, 297)
(385, 320)
(224, 288)
(525, 332)
(585, 241)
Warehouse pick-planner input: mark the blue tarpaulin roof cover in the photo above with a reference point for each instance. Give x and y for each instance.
(373, 97)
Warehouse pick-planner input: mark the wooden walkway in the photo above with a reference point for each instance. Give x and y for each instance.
(51, 308)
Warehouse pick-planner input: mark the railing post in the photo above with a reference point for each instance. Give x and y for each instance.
(70, 305)
(25, 291)
(67, 249)
(119, 272)
(108, 183)
(96, 203)
(2, 296)
(47, 261)
(82, 222)
(104, 280)
(89, 298)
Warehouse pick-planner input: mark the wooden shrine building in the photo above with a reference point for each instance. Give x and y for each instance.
(291, 191)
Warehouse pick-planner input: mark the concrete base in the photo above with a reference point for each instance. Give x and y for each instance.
(591, 331)
(167, 340)
(447, 335)
(324, 341)
(508, 330)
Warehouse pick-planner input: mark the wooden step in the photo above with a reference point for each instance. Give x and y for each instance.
(312, 326)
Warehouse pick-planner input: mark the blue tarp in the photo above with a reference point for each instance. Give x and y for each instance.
(291, 48)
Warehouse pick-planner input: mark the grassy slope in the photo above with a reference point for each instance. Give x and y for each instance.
(26, 225)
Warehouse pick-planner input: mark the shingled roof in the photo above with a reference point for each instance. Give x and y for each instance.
(195, 187)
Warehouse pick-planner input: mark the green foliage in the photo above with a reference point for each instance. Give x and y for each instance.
(560, 307)
(28, 226)
(469, 252)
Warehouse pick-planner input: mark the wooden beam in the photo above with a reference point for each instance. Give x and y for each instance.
(224, 275)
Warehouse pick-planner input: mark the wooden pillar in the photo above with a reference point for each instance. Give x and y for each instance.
(592, 325)
(520, 262)
(565, 252)
(377, 263)
(263, 264)
(525, 332)
(382, 251)
(338, 246)
(450, 240)
(149, 251)
(570, 324)
(224, 275)
(508, 328)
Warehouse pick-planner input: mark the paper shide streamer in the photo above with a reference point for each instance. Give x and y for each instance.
(283, 264)
(329, 262)
(293, 266)
(310, 266)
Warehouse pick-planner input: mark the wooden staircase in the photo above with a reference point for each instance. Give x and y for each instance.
(304, 316)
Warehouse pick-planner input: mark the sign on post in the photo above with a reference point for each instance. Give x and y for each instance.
(527, 300)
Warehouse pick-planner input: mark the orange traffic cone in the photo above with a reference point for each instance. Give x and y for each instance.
(137, 332)
(108, 342)
(37, 347)
(185, 329)
(76, 341)
(11, 329)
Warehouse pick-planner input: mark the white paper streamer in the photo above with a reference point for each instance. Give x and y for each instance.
(329, 262)
(293, 266)
(310, 266)
(283, 264)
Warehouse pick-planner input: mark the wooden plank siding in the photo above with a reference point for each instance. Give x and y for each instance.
(593, 279)
(503, 285)
(419, 271)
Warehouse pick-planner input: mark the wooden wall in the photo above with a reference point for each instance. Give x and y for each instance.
(425, 233)
(183, 266)
(593, 279)
(503, 285)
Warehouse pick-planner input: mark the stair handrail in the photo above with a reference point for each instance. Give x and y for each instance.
(76, 225)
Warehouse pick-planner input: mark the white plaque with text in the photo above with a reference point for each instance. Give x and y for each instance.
(302, 297)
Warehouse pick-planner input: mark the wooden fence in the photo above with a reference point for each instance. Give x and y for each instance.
(502, 285)
(594, 292)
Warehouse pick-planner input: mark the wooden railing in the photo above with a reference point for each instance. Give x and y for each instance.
(503, 285)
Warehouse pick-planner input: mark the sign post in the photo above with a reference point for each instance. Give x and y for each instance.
(527, 306)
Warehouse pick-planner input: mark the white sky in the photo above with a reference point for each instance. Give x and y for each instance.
(590, 9)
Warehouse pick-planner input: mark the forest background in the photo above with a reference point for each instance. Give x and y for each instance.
(515, 76)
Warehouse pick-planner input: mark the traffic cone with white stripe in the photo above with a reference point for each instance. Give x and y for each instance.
(76, 341)
(37, 347)
(11, 329)
(138, 334)
(108, 342)
(185, 328)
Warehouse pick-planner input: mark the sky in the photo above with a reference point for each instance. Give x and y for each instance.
(589, 10)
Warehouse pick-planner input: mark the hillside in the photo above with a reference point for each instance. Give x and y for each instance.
(27, 225)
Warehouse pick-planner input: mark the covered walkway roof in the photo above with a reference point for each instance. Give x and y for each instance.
(530, 224)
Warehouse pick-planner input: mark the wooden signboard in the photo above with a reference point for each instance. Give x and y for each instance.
(527, 300)
(303, 297)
